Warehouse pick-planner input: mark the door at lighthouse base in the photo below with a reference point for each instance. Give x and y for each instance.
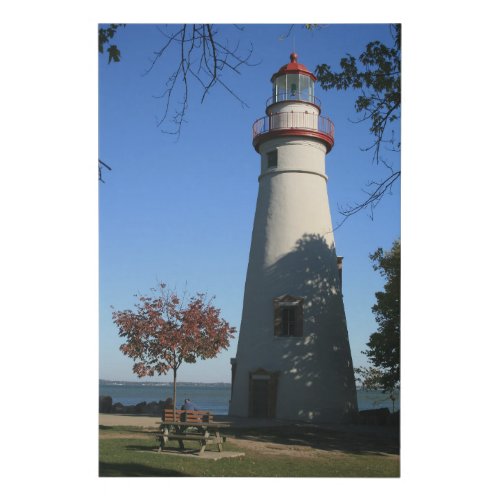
(263, 392)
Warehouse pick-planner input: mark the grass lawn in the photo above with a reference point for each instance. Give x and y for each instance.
(293, 451)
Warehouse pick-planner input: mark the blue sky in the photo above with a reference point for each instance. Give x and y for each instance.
(181, 210)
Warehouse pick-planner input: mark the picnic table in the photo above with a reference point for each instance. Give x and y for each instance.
(190, 425)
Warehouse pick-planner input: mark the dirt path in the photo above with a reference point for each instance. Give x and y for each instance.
(110, 420)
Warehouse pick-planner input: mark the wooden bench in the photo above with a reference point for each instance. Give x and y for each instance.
(190, 425)
(193, 416)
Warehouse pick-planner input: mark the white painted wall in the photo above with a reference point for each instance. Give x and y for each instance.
(293, 252)
(295, 106)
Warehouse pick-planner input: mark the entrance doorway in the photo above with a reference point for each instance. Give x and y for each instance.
(263, 392)
(260, 397)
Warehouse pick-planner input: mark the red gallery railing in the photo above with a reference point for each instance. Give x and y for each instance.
(293, 120)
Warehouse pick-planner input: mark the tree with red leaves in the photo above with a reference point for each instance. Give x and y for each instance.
(163, 332)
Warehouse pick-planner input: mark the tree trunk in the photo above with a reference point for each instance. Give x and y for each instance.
(175, 390)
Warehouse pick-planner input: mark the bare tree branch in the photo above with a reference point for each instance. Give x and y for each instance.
(203, 60)
(374, 196)
(101, 164)
(284, 37)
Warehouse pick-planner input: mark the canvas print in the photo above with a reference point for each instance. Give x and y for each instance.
(249, 218)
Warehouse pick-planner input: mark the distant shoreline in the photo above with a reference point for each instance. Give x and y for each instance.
(196, 384)
(162, 384)
(204, 384)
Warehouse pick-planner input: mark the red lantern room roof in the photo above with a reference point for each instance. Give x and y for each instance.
(293, 67)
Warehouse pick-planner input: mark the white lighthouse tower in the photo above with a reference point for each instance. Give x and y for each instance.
(293, 359)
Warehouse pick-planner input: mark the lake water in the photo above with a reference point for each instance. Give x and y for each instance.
(212, 397)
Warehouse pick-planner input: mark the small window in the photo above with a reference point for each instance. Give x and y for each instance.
(288, 316)
(288, 321)
(292, 87)
(272, 159)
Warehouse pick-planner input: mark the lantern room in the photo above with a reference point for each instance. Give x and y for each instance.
(293, 82)
(293, 110)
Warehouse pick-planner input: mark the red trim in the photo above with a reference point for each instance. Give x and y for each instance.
(286, 70)
(293, 67)
(296, 132)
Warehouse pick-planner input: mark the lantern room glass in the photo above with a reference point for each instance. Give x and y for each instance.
(293, 87)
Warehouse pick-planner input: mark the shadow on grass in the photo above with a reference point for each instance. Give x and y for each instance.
(139, 447)
(188, 450)
(107, 469)
(321, 439)
(129, 429)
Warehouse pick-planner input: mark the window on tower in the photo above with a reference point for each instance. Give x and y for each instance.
(288, 321)
(288, 316)
(292, 87)
(272, 159)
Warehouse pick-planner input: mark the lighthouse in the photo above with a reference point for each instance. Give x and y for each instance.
(293, 359)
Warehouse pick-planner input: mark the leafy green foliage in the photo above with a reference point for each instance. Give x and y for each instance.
(370, 378)
(384, 345)
(377, 74)
(105, 36)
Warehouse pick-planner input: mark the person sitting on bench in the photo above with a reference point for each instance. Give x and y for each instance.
(188, 405)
